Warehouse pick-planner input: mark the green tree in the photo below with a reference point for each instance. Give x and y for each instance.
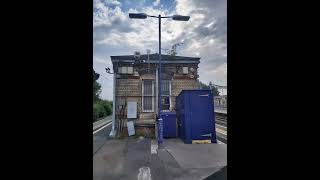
(107, 105)
(173, 50)
(96, 86)
(215, 91)
(101, 108)
(98, 111)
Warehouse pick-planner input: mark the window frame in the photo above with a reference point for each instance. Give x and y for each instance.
(185, 70)
(162, 95)
(142, 95)
(125, 70)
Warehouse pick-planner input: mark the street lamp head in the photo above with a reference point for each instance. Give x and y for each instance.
(137, 15)
(180, 18)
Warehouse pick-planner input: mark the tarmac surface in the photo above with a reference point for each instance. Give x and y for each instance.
(133, 158)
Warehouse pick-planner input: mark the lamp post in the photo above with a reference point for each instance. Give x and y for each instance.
(113, 130)
(176, 18)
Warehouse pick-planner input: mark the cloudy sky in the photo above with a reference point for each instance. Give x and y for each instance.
(204, 35)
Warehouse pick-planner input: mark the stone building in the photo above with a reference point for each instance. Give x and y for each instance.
(136, 80)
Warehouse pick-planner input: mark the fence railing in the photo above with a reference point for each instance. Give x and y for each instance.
(220, 106)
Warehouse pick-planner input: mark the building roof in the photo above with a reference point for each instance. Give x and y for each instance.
(153, 58)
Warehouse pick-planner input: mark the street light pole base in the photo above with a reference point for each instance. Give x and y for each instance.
(113, 133)
(160, 146)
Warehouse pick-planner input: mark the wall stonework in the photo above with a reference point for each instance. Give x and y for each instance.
(129, 88)
(181, 84)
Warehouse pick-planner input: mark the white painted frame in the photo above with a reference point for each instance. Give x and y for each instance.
(185, 70)
(143, 110)
(170, 104)
(129, 70)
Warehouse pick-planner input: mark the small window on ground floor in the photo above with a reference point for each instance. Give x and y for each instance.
(166, 95)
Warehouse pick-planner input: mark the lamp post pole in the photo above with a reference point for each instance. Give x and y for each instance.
(176, 18)
(160, 138)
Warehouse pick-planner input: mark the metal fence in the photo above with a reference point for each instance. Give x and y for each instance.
(220, 106)
(220, 102)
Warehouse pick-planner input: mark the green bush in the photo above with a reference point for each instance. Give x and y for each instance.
(98, 111)
(101, 108)
(107, 107)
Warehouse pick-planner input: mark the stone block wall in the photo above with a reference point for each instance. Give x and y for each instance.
(129, 87)
(182, 84)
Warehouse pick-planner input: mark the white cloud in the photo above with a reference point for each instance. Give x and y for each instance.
(156, 3)
(210, 24)
(184, 7)
(204, 35)
(112, 3)
(218, 75)
(101, 60)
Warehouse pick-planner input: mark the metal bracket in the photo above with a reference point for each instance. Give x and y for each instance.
(205, 95)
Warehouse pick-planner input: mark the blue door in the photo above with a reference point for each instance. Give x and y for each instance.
(169, 124)
(201, 107)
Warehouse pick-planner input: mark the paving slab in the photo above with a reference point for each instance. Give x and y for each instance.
(108, 162)
(132, 158)
(197, 155)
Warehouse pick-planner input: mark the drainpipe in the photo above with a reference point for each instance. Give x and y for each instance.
(156, 104)
(113, 131)
(157, 91)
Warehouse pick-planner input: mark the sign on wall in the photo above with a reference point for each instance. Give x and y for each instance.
(130, 126)
(132, 109)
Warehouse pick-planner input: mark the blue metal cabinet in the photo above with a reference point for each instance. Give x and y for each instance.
(169, 124)
(195, 114)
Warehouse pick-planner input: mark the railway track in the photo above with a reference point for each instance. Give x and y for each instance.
(221, 119)
(221, 127)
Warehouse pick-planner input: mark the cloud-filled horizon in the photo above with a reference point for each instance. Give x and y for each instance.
(204, 35)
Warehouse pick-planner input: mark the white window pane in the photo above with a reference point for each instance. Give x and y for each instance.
(165, 101)
(147, 103)
(165, 87)
(124, 70)
(130, 70)
(185, 70)
(147, 88)
(147, 95)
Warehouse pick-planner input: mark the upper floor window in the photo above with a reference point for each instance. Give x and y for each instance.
(125, 70)
(185, 70)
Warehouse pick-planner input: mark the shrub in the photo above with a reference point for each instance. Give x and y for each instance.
(101, 108)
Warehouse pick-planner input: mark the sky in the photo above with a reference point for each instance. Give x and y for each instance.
(204, 35)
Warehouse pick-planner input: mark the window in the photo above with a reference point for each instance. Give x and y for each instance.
(147, 96)
(185, 70)
(130, 70)
(125, 70)
(165, 95)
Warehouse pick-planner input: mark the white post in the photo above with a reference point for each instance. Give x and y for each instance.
(113, 131)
